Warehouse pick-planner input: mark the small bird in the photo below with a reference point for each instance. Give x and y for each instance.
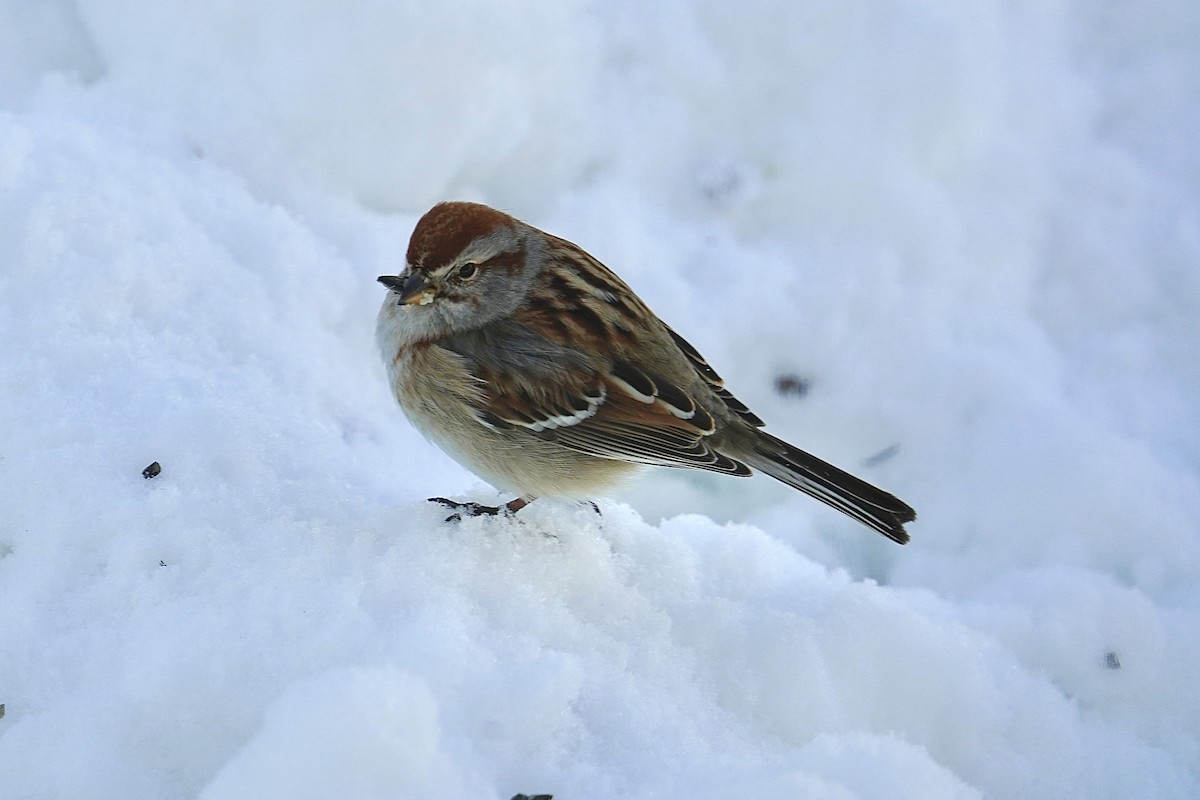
(533, 365)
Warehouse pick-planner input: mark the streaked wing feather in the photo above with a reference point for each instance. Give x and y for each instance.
(630, 416)
(714, 380)
(646, 446)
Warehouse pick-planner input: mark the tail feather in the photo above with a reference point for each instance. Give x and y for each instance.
(870, 505)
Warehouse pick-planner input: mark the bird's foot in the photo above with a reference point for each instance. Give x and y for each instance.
(465, 509)
(478, 509)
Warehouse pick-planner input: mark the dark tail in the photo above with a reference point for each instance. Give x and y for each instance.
(852, 496)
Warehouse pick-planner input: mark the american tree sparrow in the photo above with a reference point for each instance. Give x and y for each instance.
(533, 365)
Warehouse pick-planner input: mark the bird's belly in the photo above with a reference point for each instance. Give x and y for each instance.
(436, 390)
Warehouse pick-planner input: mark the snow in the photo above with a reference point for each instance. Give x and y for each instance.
(971, 230)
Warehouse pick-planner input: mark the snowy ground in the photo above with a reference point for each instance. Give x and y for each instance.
(971, 230)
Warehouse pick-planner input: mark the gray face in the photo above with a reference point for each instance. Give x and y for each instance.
(467, 266)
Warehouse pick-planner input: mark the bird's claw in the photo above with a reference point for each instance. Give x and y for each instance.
(468, 509)
(479, 510)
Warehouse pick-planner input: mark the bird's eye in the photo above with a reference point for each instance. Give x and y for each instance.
(467, 271)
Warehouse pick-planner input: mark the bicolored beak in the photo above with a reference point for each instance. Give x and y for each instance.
(412, 288)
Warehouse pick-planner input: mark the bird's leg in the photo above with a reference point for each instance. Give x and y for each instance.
(517, 503)
(479, 510)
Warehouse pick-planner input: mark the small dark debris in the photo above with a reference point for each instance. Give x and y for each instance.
(152, 470)
(886, 454)
(1, 710)
(162, 563)
(533, 797)
(1111, 661)
(790, 385)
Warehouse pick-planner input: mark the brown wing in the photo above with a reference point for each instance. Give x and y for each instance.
(613, 409)
(624, 414)
(714, 380)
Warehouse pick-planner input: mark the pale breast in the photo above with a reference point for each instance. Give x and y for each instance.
(437, 392)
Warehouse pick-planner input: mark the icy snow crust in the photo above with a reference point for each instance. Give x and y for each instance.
(970, 229)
